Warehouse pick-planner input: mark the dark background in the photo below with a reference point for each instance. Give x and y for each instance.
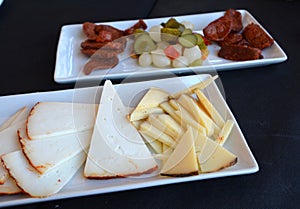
(265, 100)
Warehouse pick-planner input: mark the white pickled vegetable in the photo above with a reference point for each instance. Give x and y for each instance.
(159, 58)
(162, 44)
(192, 53)
(188, 24)
(155, 33)
(180, 61)
(178, 48)
(145, 59)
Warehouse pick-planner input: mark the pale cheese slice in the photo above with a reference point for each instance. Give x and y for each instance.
(3, 174)
(50, 152)
(152, 98)
(183, 160)
(21, 114)
(117, 149)
(212, 156)
(9, 187)
(149, 104)
(48, 119)
(35, 184)
(9, 143)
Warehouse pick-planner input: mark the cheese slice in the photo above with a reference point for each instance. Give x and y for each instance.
(48, 119)
(183, 160)
(47, 153)
(3, 174)
(211, 155)
(9, 143)
(152, 98)
(149, 103)
(35, 184)
(9, 187)
(21, 114)
(116, 149)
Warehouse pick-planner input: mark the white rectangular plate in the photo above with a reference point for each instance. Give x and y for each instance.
(70, 60)
(130, 93)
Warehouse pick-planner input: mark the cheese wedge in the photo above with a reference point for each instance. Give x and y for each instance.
(9, 187)
(212, 156)
(144, 113)
(21, 114)
(48, 119)
(46, 154)
(35, 184)
(149, 103)
(183, 160)
(200, 85)
(9, 143)
(198, 114)
(210, 108)
(116, 149)
(152, 98)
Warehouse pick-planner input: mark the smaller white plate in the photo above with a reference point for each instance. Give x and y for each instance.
(130, 94)
(70, 60)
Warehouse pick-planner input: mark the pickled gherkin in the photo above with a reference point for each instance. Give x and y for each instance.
(171, 23)
(171, 31)
(188, 40)
(200, 42)
(143, 43)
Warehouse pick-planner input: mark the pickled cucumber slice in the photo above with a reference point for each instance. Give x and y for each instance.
(197, 62)
(143, 43)
(188, 40)
(187, 31)
(171, 31)
(171, 23)
(200, 42)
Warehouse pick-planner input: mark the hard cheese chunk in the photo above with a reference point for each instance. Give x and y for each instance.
(211, 155)
(117, 149)
(46, 154)
(149, 104)
(48, 119)
(183, 160)
(35, 184)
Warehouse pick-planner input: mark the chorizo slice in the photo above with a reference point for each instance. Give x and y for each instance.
(236, 19)
(231, 38)
(256, 36)
(239, 52)
(218, 29)
(98, 64)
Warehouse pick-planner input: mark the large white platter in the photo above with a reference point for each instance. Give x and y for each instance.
(130, 94)
(70, 61)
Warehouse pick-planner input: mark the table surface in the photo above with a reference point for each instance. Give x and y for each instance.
(265, 100)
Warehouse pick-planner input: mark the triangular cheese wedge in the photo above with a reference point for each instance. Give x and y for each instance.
(48, 119)
(117, 149)
(46, 154)
(183, 160)
(212, 156)
(21, 114)
(9, 187)
(9, 143)
(149, 103)
(35, 184)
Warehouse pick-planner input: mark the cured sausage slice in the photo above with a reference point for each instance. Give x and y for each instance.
(218, 29)
(256, 36)
(236, 19)
(239, 52)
